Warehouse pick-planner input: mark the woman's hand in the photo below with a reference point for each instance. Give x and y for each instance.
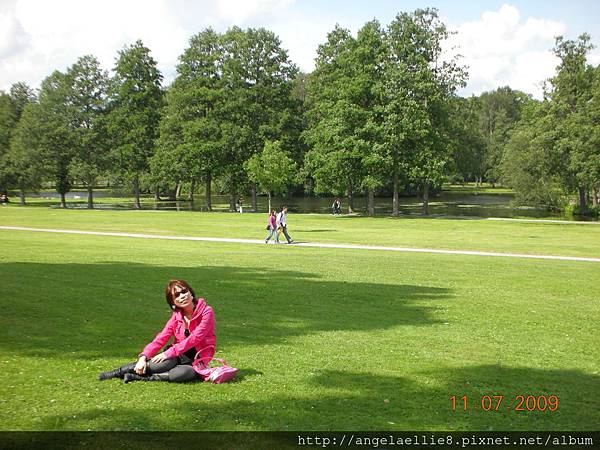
(140, 366)
(159, 358)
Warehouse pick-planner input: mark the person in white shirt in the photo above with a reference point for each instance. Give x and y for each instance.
(282, 224)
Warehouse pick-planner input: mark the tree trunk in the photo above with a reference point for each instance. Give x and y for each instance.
(232, 202)
(254, 206)
(157, 195)
(395, 206)
(350, 199)
(269, 197)
(207, 194)
(425, 209)
(90, 200)
(191, 193)
(371, 202)
(63, 201)
(178, 190)
(136, 193)
(582, 200)
(595, 197)
(22, 196)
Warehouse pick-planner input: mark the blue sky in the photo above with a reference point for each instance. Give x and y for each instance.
(503, 42)
(581, 15)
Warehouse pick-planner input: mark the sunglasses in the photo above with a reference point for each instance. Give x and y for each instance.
(181, 292)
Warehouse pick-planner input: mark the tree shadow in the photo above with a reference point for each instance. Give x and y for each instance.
(111, 309)
(358, 400)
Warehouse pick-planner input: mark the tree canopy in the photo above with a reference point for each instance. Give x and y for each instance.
(379, 115)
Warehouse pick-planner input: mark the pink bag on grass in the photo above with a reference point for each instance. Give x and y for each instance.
(216, 374)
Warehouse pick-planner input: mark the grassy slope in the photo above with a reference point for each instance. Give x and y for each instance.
(323, 337)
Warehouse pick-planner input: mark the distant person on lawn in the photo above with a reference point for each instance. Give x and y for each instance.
(282, 223)
(192, 325)
(336, 207)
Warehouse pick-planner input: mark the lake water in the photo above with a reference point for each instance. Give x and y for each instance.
(448, 203)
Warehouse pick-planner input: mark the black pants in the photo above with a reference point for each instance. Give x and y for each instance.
(179, 369)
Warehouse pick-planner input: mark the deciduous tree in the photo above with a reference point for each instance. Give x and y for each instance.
(272, 170)
(86, 106)
(136, 100)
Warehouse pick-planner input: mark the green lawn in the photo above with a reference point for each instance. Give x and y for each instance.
(543, 238)
(325, 339)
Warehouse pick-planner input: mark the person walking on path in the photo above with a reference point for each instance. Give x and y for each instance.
(336, 207)
(282, 223)
(272, 227)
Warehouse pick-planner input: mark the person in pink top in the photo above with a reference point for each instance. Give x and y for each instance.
(272, 227)
(192, 327)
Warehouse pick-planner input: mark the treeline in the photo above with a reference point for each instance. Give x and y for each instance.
(379, 115)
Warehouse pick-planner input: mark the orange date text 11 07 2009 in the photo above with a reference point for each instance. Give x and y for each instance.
(502, 403)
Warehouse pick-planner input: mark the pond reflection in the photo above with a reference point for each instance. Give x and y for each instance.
(448, 203)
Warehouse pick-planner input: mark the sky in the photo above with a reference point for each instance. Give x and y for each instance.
(502, 43)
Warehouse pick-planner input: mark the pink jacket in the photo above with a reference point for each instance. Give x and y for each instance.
(202, 334)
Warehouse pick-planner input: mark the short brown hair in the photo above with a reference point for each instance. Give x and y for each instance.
(170, 292)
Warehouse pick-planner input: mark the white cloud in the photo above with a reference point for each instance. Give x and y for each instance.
(302, 35)
(238, 11)
(38, 36)
(501, 49)
(13, 37)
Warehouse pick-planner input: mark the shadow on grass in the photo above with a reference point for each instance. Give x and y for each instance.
(114, 309)
(351, 400)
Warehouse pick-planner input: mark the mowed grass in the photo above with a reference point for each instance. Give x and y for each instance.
(531, 237)
(324, 339)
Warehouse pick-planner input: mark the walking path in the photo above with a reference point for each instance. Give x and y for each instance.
(306, 244)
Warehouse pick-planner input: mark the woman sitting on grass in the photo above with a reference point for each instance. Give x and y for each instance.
(192, 325)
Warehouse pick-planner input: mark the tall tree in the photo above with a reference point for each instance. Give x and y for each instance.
(467, 159)
(592, 115)
(20, 167)
(368, 54)
(57, 136)
(530, 159)
(190, 146)
(500, 111)
(8, 122)
(419, 86)
(87, 104)
(25, 159)
(136, 100)
(258, 76)
(571, 93)
(334, 158)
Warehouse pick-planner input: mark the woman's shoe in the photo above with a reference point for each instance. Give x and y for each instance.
(129, 377)
(117, 373)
